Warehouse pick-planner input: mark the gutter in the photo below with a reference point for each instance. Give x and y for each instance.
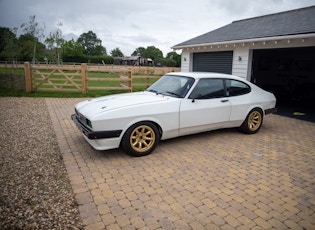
(264, 39)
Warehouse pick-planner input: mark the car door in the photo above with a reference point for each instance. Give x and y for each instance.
(206, 108)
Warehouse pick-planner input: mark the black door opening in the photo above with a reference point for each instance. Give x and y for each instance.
(290, 74)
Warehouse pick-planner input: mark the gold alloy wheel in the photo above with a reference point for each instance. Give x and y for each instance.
(142, 138)
(254, 120)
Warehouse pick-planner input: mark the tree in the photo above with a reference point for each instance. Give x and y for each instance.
(9, 47)
(138, 52)
(149, 52)
(72, 51)
(26, 42)
(71, 48)
(91, 44)
(55, 40)
(176, 57)
(153, 53)
(116, 53)
(34, 29)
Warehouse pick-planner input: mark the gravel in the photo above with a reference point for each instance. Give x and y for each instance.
(35, 191)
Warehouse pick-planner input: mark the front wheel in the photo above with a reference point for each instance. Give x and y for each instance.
(253, 121)
(141, 139)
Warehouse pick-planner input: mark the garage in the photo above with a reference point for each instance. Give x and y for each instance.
(275, 51)
(290, 74)
(219, 62)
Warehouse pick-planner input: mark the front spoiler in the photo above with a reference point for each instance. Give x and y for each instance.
(95, 134)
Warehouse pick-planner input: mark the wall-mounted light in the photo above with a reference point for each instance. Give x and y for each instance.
(239, 58)
(184, 59)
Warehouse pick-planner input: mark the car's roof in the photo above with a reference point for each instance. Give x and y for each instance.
(198, 75)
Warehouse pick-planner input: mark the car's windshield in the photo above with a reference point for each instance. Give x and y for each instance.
(175, 86)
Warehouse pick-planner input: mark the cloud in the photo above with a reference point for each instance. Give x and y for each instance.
(130, 24)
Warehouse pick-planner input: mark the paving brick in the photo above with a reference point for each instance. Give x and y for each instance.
(103, 209)
(211, 180)
(151, 223)
(246, 222)
(96, 226)
(291, 224)
(276, 224)
(231, 220)
(122, 221)
(262, 223)
(113, 227)
(217, 220)
(108, 219)
(234, 212)
(137, 222)
(116, 210)
(177, 208)
(261, 213)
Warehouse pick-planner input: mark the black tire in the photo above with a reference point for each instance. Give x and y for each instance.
(253, 121)
(141, 139)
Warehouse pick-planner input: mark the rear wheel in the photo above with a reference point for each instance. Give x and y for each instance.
(141, 139)
(253, 121)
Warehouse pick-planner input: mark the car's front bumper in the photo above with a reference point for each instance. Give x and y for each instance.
(95, 134)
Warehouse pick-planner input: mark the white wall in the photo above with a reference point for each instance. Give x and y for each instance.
(240, 62)
(186, 62)
(242, 53)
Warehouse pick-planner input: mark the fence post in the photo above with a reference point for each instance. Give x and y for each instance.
(130, 81)
(148, 78)
(84, 78)
(28, 77)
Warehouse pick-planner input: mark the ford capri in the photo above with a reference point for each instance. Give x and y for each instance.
(177, 104)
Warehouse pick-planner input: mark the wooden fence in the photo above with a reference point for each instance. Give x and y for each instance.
(83, 78)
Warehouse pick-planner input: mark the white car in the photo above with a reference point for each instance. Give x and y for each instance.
(177, 104)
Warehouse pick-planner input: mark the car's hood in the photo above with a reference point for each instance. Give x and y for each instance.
(92, 107)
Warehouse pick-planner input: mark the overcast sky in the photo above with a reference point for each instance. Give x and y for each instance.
(131, 24)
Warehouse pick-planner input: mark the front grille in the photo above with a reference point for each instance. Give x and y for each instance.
(81, 118)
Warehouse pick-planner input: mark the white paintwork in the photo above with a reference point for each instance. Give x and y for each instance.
(175, 116)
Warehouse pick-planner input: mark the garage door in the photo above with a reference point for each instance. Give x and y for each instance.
(220, 62)
(288, 72)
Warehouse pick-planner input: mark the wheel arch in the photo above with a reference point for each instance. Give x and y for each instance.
(256, 107)
(245, 125)
(139, 121)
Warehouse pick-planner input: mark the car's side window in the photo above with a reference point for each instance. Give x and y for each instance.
(207, 89)
(236, 88)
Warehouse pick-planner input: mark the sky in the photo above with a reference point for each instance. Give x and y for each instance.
(127, 25)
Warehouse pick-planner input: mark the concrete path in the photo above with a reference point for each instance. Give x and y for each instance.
(216, 180)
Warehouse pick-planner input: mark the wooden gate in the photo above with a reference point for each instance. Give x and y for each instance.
(55, 79)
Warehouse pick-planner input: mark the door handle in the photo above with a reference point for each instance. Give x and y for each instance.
(224, 100)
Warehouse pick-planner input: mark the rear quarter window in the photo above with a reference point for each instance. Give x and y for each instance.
(236, 88)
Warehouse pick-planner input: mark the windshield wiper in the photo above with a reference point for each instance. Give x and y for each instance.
(153, 91)
(172, 93)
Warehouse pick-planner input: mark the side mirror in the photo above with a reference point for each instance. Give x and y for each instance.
(194, 97)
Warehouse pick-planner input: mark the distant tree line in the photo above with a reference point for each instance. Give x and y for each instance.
(87, 48)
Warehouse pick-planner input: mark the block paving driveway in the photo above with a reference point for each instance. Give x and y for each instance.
(215, 180)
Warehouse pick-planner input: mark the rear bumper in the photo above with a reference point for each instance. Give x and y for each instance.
(272, 110)
(95, 134)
